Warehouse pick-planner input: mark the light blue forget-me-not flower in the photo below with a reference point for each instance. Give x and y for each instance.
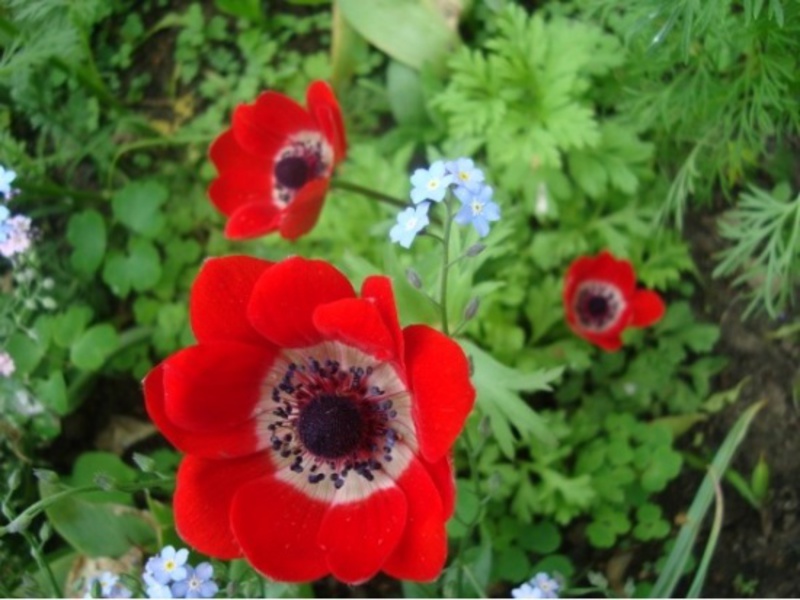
(477, 208)
(430, 184)
(409, 223)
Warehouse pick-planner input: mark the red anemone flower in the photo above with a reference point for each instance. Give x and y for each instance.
(317, 432)
(275, 162)
(601, 300)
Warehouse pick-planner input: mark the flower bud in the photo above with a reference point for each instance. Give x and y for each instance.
(145, 463)
(475, 249)
(413, 278)
(472, 308)
(759, 480)
(104, 482)
(46, 475)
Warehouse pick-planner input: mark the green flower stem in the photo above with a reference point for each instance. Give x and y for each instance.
(448, 228)
(369, 193)
(472, 454)
(27, 515)
(52, 189)
(430, 234)
(471, 576)
(175, 140)
(36, 551)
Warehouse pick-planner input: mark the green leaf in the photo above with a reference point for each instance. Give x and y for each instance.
(404, 90)
(53, 393)
(86, 231)
(681, 553)
(25, 351)
(498, 388)
(138, 206)
(249, 10)
(410, 31)
(542, 538)
(70, 325)
(91, 464)
(91, 350)
(606, 526)
(96, 529)
(140, 269)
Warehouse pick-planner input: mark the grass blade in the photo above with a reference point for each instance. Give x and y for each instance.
(676, 561)
(713, 538)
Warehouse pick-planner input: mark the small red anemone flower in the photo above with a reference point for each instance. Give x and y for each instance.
(601, 300)
(317, 432)
(275, 163)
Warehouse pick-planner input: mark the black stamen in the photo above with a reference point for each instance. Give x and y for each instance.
(292, 172)
(330, 426)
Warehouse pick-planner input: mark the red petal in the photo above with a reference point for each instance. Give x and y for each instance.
(422, 552)
(276, 527)
(303, 211)
(378, 289)
(262, 127)
(215, 386)
(611, 342)
(358, 323)
(236, 441)
(253, 220)
(618, 272)
(285, 298)
(443, 476)
(647, 307)
(324, 107)
(438, 373)
(226, 154)
(603, 267)
(236, 188)
(203, 497)
(218, 302)
(357, 537)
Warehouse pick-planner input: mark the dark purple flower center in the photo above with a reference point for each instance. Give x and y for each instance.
(330, 426)
(292, 172)
(597, 306)
(332, 421)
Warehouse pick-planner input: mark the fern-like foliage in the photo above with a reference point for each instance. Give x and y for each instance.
(721, 75)
(764, 232)
(524, 93)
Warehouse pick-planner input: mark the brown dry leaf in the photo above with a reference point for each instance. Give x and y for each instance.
(122, 432)
(616, 570)
(84, 568)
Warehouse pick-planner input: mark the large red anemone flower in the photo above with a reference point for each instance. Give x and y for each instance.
(317, 432)
(601, 300)
(275, 163)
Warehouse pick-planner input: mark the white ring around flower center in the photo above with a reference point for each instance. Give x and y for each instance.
(592, 295)
(318, 477)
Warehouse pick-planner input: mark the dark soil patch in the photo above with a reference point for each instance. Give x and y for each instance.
(759, 549)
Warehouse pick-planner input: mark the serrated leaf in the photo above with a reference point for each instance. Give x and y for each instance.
(249, 10)
(498, 388)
